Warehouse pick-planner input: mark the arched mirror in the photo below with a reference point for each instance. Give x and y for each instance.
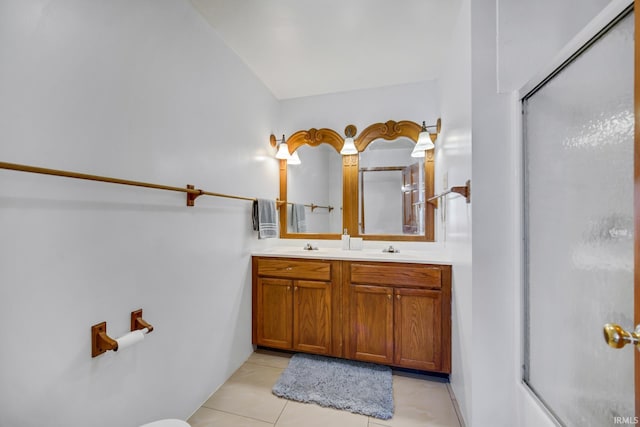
(390, 190)
(312, 188)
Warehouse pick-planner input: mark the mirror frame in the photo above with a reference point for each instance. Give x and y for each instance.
(389, 130)
(313, 137)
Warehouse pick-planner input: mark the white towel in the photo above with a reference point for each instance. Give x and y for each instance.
(298, 220)
(265, 218)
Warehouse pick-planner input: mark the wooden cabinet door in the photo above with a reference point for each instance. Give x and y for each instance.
(418, 329)
(274, 313)
(371, 323)
(312, 316)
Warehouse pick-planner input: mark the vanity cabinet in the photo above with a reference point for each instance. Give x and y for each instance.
(391, 313)
(398, 314)
(294, 305)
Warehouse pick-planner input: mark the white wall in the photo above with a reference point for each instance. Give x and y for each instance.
(453, 161)
(414, 101)
(532, 32)
(494, 254)
(141, 90)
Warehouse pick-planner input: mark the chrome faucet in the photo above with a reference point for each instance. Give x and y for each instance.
(391, 250)
(309, 247)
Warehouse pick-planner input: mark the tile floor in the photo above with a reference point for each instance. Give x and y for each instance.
(245, 400)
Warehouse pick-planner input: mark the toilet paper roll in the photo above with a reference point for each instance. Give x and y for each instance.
(130, 339)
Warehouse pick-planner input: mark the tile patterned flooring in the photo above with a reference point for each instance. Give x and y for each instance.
(245, 400)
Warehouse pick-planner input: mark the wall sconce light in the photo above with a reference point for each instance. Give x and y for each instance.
(426, 140)
(283, 150)
(349, 147)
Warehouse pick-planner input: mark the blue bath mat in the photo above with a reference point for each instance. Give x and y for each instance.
(358, 387)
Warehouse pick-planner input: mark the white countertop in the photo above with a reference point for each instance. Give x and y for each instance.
(412, 256)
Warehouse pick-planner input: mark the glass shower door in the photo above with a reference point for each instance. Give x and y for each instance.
(579, 227)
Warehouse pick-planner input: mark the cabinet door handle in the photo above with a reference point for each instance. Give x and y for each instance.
(288, 288)
(398, 296)
(289, 268)
(295, 289)
(389, 296)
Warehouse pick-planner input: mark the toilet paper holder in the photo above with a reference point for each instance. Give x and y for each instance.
(101, 342)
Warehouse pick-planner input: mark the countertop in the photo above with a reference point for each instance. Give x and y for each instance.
(410, 256)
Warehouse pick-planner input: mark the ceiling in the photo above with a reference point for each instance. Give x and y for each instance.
(312, 47)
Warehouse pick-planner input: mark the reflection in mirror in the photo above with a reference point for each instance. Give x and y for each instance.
(314, 191)
(392, 189)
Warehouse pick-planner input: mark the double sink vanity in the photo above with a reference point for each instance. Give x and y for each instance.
(392, 308)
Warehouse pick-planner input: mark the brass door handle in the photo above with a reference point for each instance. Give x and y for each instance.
(617, 337)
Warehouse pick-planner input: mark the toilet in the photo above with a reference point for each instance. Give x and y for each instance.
(167, 423)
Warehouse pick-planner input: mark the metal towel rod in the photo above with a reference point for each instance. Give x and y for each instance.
(314, 207)
(463, 190)
(190, 190)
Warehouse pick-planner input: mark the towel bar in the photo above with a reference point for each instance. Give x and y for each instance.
(464, 190)
(192, 192)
